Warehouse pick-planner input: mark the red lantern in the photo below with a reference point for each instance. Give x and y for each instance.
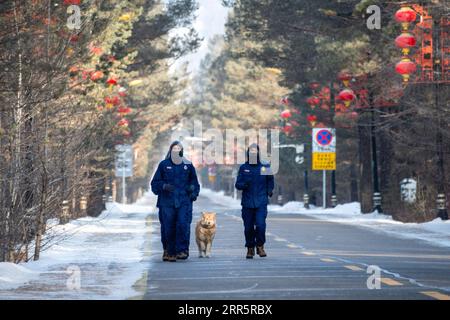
(72, 2)
(347, 96)
(405, 41)
(287, 128)
(97, 75)
(405, 68)
(286, 114)
(115, 101)
(111, 81)
(405, 16)
(345, 77)
(313, 101)
(312, 119)
(124, 110)
(123, 123)
(325, 91)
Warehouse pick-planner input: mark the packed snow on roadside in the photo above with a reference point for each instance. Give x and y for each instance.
(13, 275)
(436, 232)
(106, 250)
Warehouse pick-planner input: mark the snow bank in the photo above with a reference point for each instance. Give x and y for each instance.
(13, 275)
(108, 250)
(436, 232)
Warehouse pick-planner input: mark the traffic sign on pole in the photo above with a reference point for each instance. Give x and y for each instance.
(324, 149)
(124, 166)
(124, 161)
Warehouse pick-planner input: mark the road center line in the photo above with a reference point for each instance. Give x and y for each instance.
(390, 282)
(354, 268)
(436, 295)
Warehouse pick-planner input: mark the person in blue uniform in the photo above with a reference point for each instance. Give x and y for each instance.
(256, 182)
(176, 185)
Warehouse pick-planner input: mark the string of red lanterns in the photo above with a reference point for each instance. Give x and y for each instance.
(405, 16)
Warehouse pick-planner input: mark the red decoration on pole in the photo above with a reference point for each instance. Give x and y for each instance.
(347, 96)
(312, 119)
(405, 68)
(123, 123)
(405, 16)
(112, 81)
(405, 41)
(313, 101)
(114, 101)
(287, 128)
(286, 114)
(124, 110)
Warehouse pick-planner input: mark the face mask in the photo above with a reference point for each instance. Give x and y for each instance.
(253, 157)
(175, 156)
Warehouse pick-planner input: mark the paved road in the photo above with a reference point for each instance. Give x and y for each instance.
(307, 259)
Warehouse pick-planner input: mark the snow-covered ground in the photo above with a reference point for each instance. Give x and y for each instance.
(91, 258)
(436, 232)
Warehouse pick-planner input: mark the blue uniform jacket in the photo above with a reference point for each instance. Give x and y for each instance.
(181, 176)
(254, 185)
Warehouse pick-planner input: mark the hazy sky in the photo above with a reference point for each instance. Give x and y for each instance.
(211, 18)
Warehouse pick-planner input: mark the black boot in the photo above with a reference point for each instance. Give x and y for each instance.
(165, 256)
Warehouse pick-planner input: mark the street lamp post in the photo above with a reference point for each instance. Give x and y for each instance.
(376, 198)
(441, 198)
(333, 173)
(306, 192)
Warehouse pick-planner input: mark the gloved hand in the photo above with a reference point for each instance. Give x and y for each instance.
(191, 189)
(270, 194)
(168, 187)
